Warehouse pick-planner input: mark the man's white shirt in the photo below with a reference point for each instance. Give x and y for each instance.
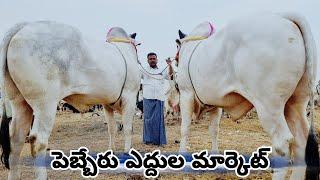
(153, 88)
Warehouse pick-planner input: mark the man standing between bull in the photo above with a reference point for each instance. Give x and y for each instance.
(153, 101)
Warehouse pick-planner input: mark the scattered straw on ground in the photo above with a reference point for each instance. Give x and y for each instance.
(74, 130)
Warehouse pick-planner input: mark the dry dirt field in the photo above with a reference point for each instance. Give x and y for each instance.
(73, 130)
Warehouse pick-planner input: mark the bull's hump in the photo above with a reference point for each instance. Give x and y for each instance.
(49, 30)
(50, 45)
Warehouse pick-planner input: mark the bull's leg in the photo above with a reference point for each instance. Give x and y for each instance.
(129, 103)
(295, 113)
(294, 172)
(274, 123)
(215, 116)
(280, 173)
(44, 117)
(186, 104)
(20, 126)
(108, 112)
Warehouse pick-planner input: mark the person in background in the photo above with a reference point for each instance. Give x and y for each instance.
(139, 102)
(153, 100)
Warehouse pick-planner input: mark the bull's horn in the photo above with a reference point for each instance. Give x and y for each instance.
(133, 35)
(181, 34)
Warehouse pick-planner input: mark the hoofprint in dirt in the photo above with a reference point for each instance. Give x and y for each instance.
(72, 131)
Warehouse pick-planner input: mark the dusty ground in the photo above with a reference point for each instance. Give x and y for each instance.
(73, 130)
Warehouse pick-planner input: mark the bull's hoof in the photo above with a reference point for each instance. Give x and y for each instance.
(35, 145)
(285, 149)
(36, 148)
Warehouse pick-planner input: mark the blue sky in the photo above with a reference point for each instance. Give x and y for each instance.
(156, 22)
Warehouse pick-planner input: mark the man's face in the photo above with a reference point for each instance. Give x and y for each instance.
(152, 60)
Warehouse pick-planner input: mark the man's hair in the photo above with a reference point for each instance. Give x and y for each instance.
(151, 54)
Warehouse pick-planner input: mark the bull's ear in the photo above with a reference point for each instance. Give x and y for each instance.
(181, 34)
(178, 42)
(133, 36)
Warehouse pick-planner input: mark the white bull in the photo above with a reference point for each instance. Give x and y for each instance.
(44, 62)
(263, 61)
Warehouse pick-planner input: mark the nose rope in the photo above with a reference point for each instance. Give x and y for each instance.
(195, 92)
(125, 78)
(152, 75)
(142, 69)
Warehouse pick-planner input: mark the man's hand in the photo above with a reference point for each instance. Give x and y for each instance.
(168, 61)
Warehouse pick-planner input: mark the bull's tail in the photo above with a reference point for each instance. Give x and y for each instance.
(6, 118)
(312, 150)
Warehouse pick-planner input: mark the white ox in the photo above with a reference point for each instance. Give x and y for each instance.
(44, 62)
(263, 61)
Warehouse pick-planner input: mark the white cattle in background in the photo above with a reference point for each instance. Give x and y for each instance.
(263, 61)
(44, 62)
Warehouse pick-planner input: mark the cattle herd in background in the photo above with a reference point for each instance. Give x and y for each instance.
(65, 107)
(172, 108)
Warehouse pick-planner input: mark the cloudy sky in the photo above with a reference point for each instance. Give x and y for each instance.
(155, 21)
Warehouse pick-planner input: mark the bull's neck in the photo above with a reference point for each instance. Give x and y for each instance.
(128, 51)
(189, 49)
